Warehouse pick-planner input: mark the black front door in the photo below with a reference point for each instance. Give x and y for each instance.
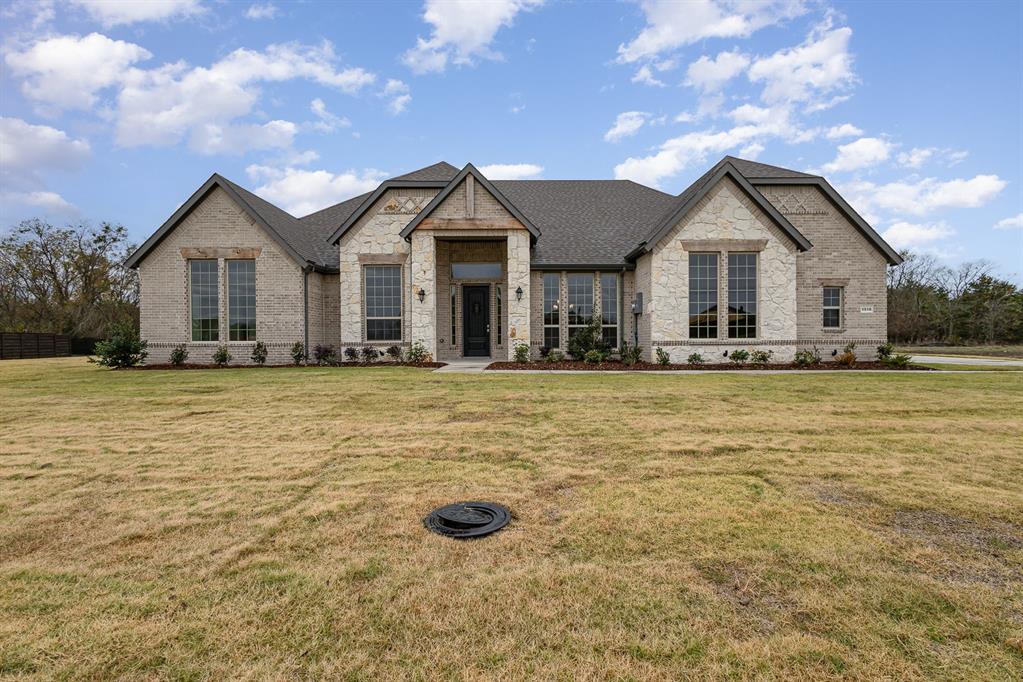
(476, 320)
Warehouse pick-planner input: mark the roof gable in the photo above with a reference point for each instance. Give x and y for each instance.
(836, 199)
(489, 186)
(699, 189)
(262, 212)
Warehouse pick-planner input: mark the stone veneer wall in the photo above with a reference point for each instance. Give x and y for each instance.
(219, 225)
(841, 256)
(376, 237)
(725, 214)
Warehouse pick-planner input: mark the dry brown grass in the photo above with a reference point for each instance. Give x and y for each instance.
(266, 524)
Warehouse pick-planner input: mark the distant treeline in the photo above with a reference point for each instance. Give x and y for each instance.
(933, 303)
(69, 280)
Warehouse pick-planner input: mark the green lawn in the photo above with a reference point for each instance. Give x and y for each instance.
(266, 524)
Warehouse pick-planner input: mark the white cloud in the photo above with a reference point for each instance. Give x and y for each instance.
(1014, 222)
(864, 152)
(66, 72)
(751, 151)
(212, 138)
(328, 122)
(671, 24)
(822, 64)
(462, 31)
(916, 157)
(646, 76)
(711, 74)
(924, 196)
(261, 10)
(28, 150)
(677, 153)
(161, 106)
(301, 192)
(844, 130)
(511, 171)
(48, 202)
(903, 235)
(119, 12)
(627, 123)
(398, 92)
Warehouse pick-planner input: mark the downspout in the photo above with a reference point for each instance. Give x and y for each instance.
(305, 305)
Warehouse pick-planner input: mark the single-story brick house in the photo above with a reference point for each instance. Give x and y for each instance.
(472, 267)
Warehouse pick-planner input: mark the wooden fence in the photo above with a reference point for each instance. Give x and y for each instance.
(14, 345)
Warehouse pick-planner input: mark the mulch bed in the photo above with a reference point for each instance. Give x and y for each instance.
(428, 365)
(616, 366)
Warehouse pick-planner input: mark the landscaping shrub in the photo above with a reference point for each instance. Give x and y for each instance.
(589, 338)
(394, 352)
(739, 357)
(553, 355)
(761, 357)
(178, 355)
(695, 359)
(521, 352)
(259, 353)
(370, 354)
(663, 358)
(124, 348)
(885, 350)
(896, 361)
(298, 353)
(222, 356)
(417, 353)
(847, 357)
(595, 356)
(545, 351)
(351, 354)
(630, 354)
(324, 355)
(807, 358)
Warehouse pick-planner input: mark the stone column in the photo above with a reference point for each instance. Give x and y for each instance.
(518, 276)
(423, 315)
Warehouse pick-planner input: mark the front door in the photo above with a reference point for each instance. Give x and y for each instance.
(476, 320)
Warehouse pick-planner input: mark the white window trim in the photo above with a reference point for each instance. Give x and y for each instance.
(839, 308)
(227, 296)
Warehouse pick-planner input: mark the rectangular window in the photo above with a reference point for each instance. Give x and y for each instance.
(203, 279)
(832, 307)
(609, 308)
(475, 270)
(551, 314)
(383, 302)
(742, 295)
(241, 300)
(499, 331)
(580, 302)
(454, 315)
(703, 295)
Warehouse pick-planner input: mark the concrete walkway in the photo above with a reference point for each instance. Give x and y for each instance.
(465, 366)
(953, 360)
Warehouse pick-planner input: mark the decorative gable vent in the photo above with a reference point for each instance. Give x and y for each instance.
(405, 205)
(794, 204)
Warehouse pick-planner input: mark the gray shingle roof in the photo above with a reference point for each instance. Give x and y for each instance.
(594, 222)
(581, 222)
(442, 170)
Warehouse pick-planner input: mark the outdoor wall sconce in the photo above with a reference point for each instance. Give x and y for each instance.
(726, 354)
(518, 294)
(421, 294)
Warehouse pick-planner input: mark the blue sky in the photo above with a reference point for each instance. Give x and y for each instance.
(118, 110)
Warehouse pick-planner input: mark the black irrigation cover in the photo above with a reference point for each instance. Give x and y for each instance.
(467, 519)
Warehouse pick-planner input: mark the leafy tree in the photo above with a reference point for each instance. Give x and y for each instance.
(68, 280)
